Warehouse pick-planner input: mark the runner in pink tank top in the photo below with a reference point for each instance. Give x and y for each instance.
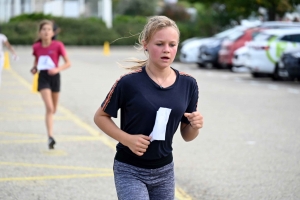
(47, 53)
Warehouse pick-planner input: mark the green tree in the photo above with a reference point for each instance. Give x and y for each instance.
(136, 7)
(176, 12)
(244, 8)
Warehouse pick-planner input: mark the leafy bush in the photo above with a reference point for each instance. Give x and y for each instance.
(92, 31)
(188, 30)
(30, 17)
(128, 29)
(176, 12)
(83, 31)
(136, 7)
(20, 33)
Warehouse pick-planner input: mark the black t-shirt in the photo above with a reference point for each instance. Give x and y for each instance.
(139, 98)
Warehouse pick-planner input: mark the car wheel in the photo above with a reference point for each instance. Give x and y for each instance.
(230, 67)
(219, 66)
(209, 65)
(275, 75)
(200, 65)
(256, 75)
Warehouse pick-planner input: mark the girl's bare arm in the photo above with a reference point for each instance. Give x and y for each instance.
(7, 44)
(66, 64)
(190, 131)
(138, 144)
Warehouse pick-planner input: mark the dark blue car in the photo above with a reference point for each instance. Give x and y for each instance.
(209, 54)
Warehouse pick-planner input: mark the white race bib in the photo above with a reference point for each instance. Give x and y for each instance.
(161, 121)
(45, 63)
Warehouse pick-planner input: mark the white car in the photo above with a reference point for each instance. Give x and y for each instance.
(190, 49)
(241, 54)
(240, 57)
(267, 47)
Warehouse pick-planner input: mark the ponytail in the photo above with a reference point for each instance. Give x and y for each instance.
(139, 64)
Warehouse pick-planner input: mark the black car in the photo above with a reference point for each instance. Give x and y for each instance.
(209, 53)
(289, 65)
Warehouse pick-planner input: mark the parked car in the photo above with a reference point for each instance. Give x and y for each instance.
(234, 42)
(289, 65)
(238, 39)
(209, 52)
(240, 56)
(190, 48)
(263, 54)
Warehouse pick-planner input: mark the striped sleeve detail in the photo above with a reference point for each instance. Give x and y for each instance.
(107, 100)
(185, 74)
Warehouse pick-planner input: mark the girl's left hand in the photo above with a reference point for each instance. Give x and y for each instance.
(195, 119)
(33, 70)
(53, 71)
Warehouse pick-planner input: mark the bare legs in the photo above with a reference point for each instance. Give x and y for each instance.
(50, 99)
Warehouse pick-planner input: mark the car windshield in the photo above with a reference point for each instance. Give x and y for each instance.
(235, 35)
(261, 36)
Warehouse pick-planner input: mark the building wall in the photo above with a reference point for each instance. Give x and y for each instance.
(39, 5)
(66, 8)
(11, 8)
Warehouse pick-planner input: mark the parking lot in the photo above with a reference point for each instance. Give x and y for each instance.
(248, 149)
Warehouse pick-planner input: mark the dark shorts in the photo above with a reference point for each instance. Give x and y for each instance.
(47, 81)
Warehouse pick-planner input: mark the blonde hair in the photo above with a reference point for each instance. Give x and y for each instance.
(153, 25)
(41, 25)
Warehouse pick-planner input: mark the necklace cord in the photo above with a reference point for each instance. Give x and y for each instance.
(160, 84)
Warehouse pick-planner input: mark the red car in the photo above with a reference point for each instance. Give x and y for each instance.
(233, 42)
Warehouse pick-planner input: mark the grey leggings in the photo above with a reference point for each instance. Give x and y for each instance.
(144, 184)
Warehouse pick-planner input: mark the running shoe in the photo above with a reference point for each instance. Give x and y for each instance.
(51, 142)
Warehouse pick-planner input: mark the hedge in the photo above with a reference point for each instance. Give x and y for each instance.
(22, 30)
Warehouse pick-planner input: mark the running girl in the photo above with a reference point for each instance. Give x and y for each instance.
(154, 99)
(47, 53)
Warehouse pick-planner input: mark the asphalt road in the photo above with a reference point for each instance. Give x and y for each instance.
(248, 149)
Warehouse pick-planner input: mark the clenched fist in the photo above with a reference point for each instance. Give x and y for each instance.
(195, 119)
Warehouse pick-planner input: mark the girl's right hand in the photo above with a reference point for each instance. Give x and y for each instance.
(15, 57)
(33, 70)
(138, 144)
